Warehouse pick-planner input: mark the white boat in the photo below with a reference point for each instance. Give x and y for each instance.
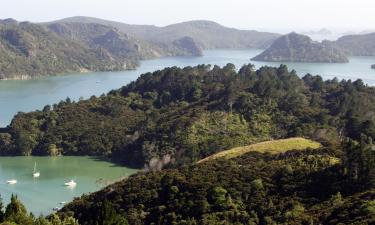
(62, 203)
(11, 181)
(36, 173)
(71, 183)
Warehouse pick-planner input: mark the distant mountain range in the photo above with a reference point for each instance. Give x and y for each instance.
(300, 48)
(82, 44)
(208, 34)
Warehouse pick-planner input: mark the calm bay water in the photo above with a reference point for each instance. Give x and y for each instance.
(30, 95)
(41, 195)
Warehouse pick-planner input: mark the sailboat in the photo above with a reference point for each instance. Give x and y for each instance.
(35, 172)
(11, 181)
(71, 183)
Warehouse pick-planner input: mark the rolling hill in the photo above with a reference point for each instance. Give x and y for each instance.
(208, 34)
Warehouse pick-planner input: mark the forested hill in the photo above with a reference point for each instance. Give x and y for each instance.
(180, 115)
(296, 187)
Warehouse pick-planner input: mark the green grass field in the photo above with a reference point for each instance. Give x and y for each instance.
(273, 147)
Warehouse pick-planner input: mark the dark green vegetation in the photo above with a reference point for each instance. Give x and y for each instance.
(179, 116)
(207, 34)
(174, 117)
(296, 187)
(299, 48)
(15, 213)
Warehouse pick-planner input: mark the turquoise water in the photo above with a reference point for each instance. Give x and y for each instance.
(30, 95)
(41, 195)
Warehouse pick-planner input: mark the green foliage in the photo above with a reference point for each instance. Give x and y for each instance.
(178, 116)
(255, 188)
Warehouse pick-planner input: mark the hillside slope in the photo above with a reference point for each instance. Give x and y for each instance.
(30, 50)
(181, 115)
(296, 187)
(120, 44)
(272, 147)
(357, 45)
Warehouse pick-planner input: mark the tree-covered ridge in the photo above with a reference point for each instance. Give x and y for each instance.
(181, 115)
(296, 187)
(295, 47)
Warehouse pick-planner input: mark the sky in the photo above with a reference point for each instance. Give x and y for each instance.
(266, 15)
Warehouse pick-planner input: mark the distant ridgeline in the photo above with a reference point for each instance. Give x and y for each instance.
(77, 45)
(177, 116)
(295, 47)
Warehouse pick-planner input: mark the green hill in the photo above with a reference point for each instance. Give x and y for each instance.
(177, 116)
(272, 147)
(295, 187)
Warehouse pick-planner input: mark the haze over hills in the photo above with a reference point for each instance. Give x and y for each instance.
(82, 44)
(208, 34)
(295, 47)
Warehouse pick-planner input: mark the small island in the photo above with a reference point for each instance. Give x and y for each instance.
(295, 47)
(373, 66)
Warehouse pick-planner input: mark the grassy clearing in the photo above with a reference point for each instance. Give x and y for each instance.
(273, 147)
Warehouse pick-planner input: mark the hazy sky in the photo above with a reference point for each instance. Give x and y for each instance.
(250, 14)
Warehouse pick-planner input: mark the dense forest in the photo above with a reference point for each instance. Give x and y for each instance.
(324, 186)
(177, 116)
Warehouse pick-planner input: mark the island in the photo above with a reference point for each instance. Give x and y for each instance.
(373, 66)
(295, 47)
